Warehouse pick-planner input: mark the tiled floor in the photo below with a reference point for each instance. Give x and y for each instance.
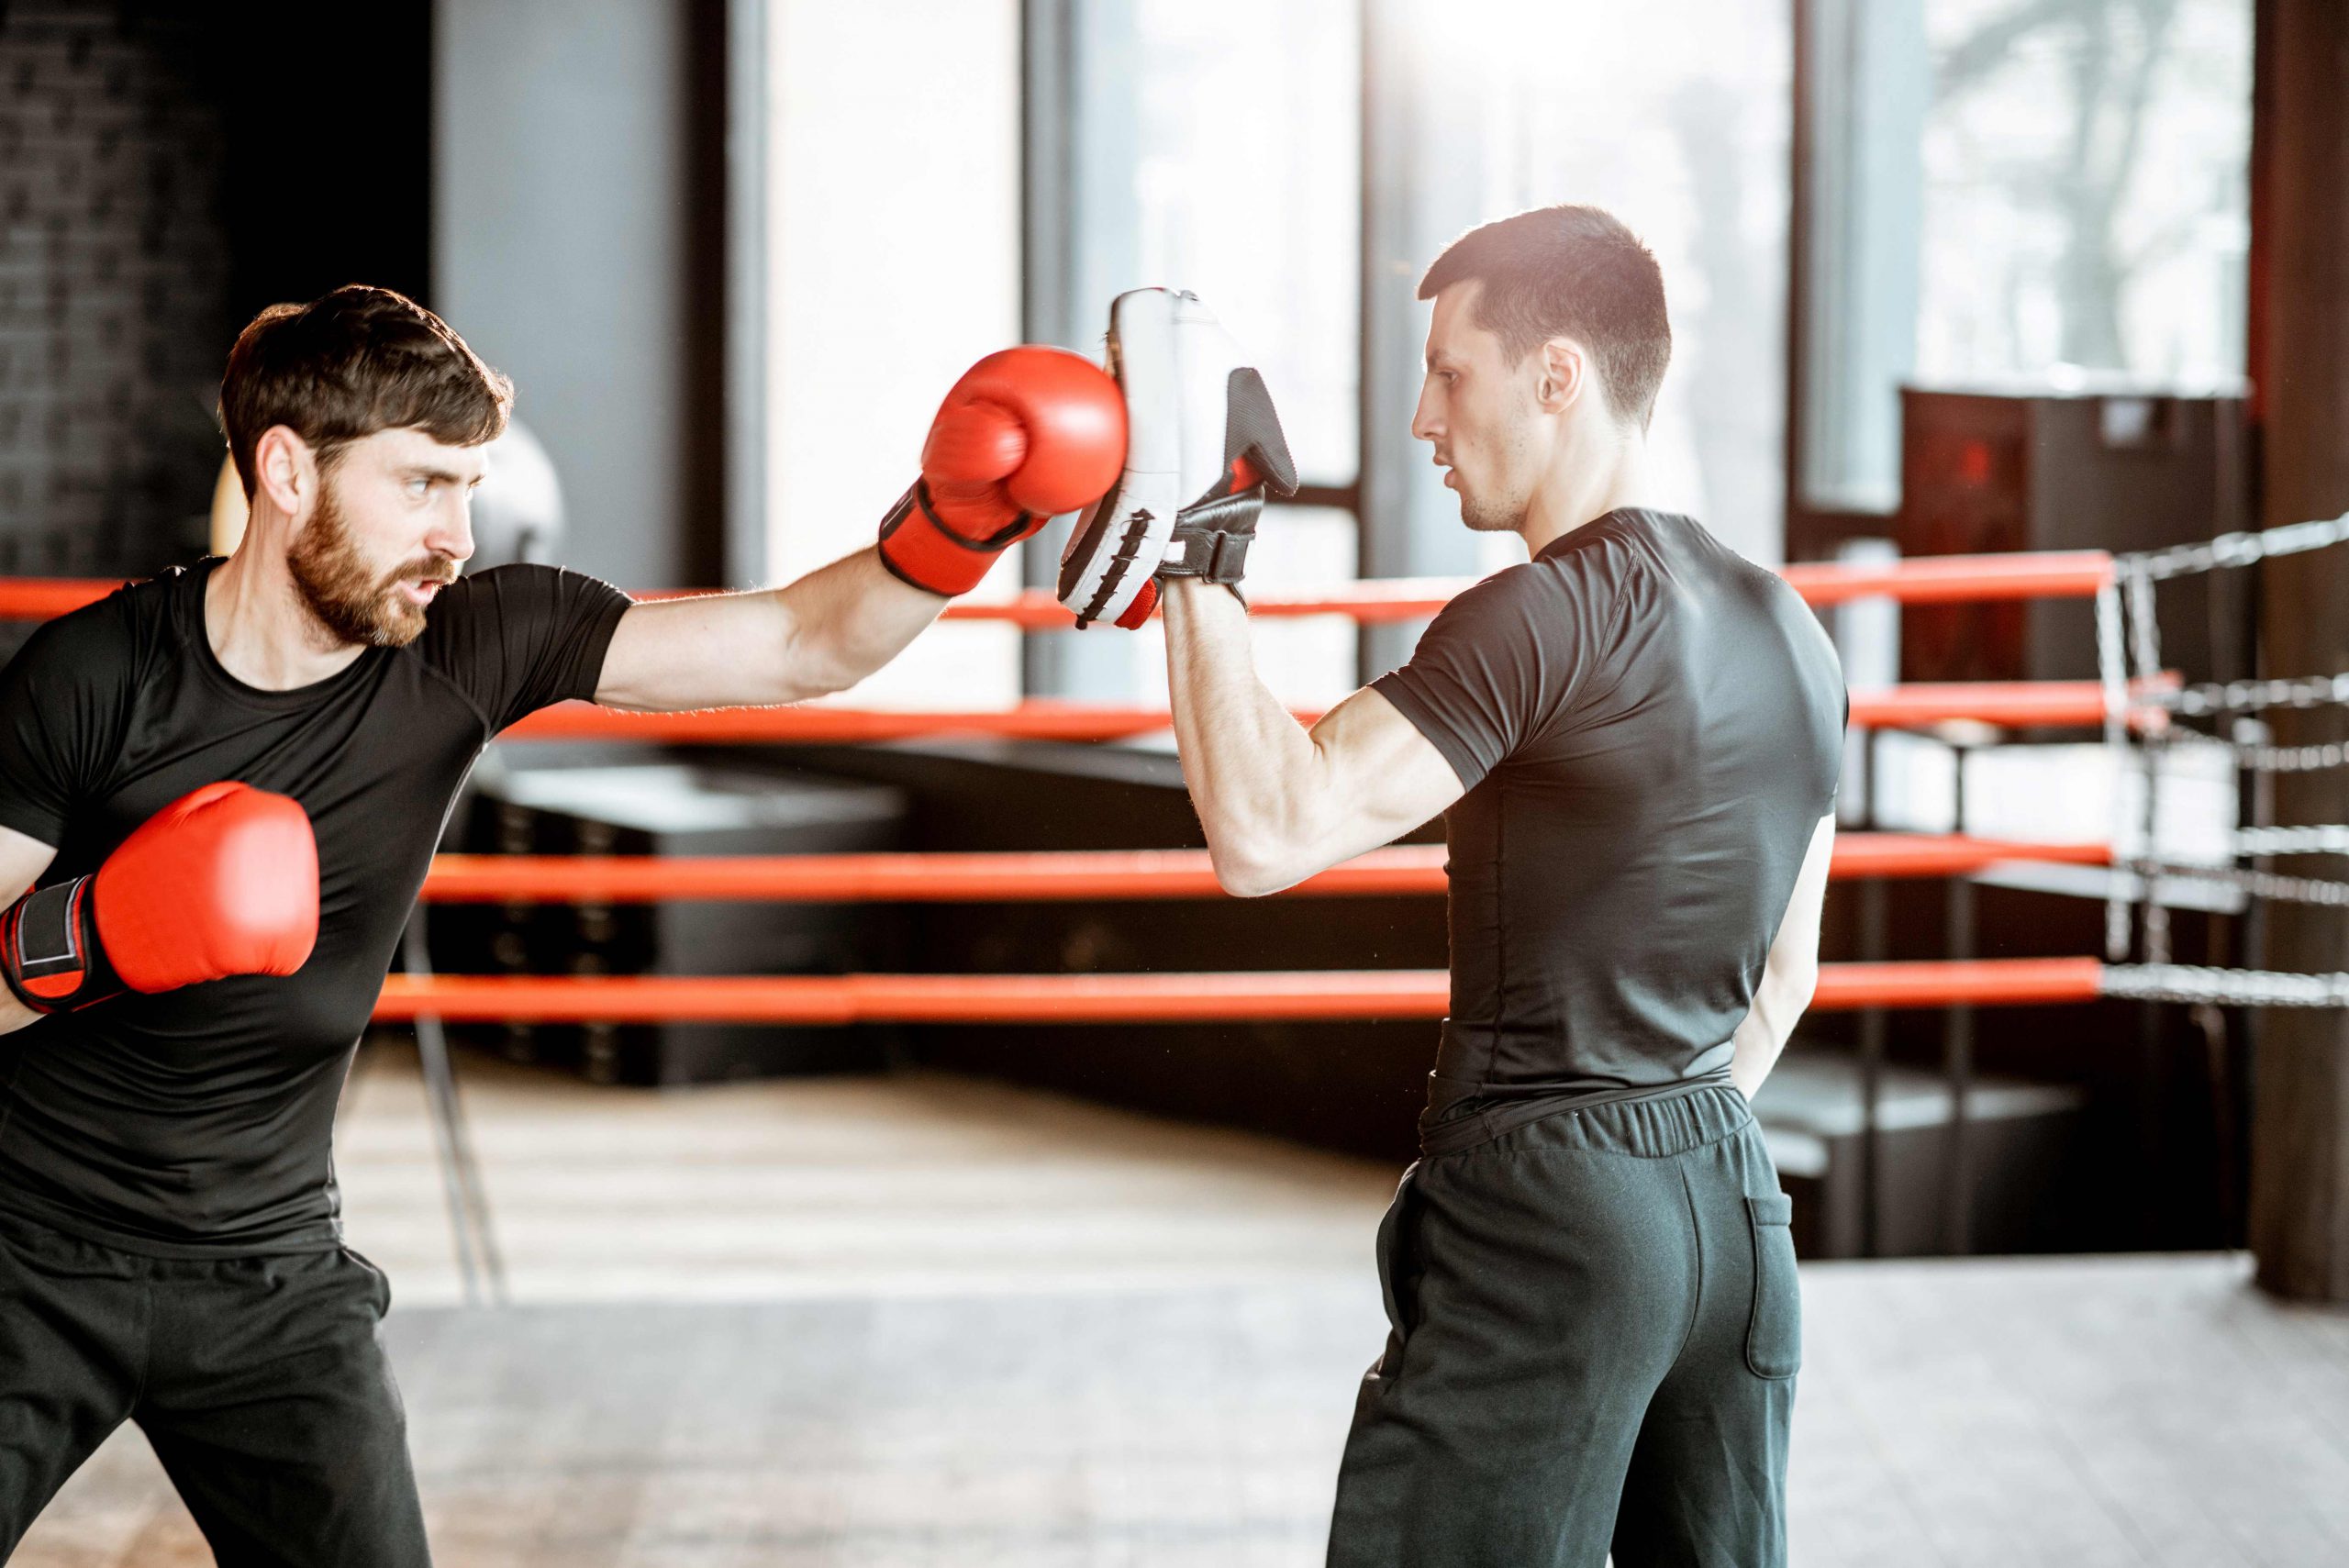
(931, 1322)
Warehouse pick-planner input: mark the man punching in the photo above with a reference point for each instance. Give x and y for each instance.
(223, 787)
(1633, 739)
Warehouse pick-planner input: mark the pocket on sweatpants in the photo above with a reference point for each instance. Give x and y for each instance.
(1774, 1334)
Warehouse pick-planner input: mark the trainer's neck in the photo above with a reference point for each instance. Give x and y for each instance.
(258, 627)
(1599, 466)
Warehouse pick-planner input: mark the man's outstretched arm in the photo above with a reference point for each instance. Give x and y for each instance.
(821, 634)
(1278, 802)
(1026, 434)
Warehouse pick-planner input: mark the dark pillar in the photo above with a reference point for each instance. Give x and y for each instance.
(2300, 354)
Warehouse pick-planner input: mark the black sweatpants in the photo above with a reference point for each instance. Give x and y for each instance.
(261, 1383)
(1595, 1334)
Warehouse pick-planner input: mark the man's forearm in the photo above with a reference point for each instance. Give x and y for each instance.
(852, 617)
(1247, 762)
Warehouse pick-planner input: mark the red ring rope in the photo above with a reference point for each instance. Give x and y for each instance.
(1270, 996)
(2015, 704)
(1941, 579)
(1031, 877)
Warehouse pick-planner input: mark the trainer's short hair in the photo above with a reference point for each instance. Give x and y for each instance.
(351, 363)
(1568, 272)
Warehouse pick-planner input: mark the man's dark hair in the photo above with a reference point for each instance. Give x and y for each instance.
(351, 363)
(1568, 272)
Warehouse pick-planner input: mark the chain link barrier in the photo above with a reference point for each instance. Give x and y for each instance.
(2330, 840)
(2260, 757)
(2240, 548)
(2128, 649)
(2257, 883)
(2194, 984)
(2245, 697)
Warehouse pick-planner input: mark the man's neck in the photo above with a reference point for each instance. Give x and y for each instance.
(258, 627)
(1604, 471)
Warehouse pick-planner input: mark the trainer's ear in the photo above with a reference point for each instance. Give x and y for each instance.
(285, 471)
(1562, 375)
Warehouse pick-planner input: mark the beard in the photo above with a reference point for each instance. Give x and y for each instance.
(352, 601)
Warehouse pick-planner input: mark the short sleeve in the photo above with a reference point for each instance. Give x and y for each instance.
(61, 713)
(1494, 670)
(517, 638)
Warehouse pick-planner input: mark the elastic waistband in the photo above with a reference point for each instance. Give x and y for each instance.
(1647, 1121)
(26, 1211)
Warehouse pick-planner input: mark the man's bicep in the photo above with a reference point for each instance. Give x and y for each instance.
(710, 651)
(1386, 777)
(22, 860)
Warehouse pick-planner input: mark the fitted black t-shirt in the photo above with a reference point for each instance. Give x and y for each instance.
(1650, 728)
(200, 1121)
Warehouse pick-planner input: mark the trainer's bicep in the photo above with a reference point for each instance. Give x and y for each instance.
(1385, 777)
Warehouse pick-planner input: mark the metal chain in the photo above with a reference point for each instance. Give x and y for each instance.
(2224, 987)
(2239, 697)
(2258, 884)
(2260, 758)
(2242, 549)
(2145, 668)
(2112, 677)
(2330, 840)
(2161, 982)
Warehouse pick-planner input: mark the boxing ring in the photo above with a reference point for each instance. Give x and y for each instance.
(2137, 705)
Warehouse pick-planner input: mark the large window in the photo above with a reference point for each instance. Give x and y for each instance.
(2086, 203)
(2040, 193)
(1215, 146)
(1250, 153)
(1248, 190)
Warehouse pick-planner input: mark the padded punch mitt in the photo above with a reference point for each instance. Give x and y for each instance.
(1203, 448)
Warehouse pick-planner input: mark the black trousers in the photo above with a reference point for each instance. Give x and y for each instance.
(1595, 1331)
(261, 1383)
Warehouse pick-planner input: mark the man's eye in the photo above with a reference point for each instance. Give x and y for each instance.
(418, 487)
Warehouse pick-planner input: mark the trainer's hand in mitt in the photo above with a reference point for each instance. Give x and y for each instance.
(223, 881)
(1026, 434)
(1203, 446)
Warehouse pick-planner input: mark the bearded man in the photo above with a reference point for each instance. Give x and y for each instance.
(224, 786)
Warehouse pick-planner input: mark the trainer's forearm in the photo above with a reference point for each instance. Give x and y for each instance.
(1250, 765)
(1779, 1005)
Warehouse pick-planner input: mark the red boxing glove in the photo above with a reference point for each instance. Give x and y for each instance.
(1026, 434)
(223, 881)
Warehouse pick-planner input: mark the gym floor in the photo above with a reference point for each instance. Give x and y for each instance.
(925, 1321)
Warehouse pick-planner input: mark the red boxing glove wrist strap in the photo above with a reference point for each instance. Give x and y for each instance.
(49, 951)
(924, 553)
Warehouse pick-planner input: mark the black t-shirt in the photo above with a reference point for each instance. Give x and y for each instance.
(1650, 728)
(201, 1121)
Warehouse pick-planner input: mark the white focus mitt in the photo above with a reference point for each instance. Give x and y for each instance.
(1203, 445)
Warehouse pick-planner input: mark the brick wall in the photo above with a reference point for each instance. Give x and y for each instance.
(114, 317)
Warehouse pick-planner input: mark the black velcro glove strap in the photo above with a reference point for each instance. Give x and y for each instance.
(50, 952)
(1211, 540)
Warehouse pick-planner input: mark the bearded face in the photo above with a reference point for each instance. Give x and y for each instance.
(357, 600)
